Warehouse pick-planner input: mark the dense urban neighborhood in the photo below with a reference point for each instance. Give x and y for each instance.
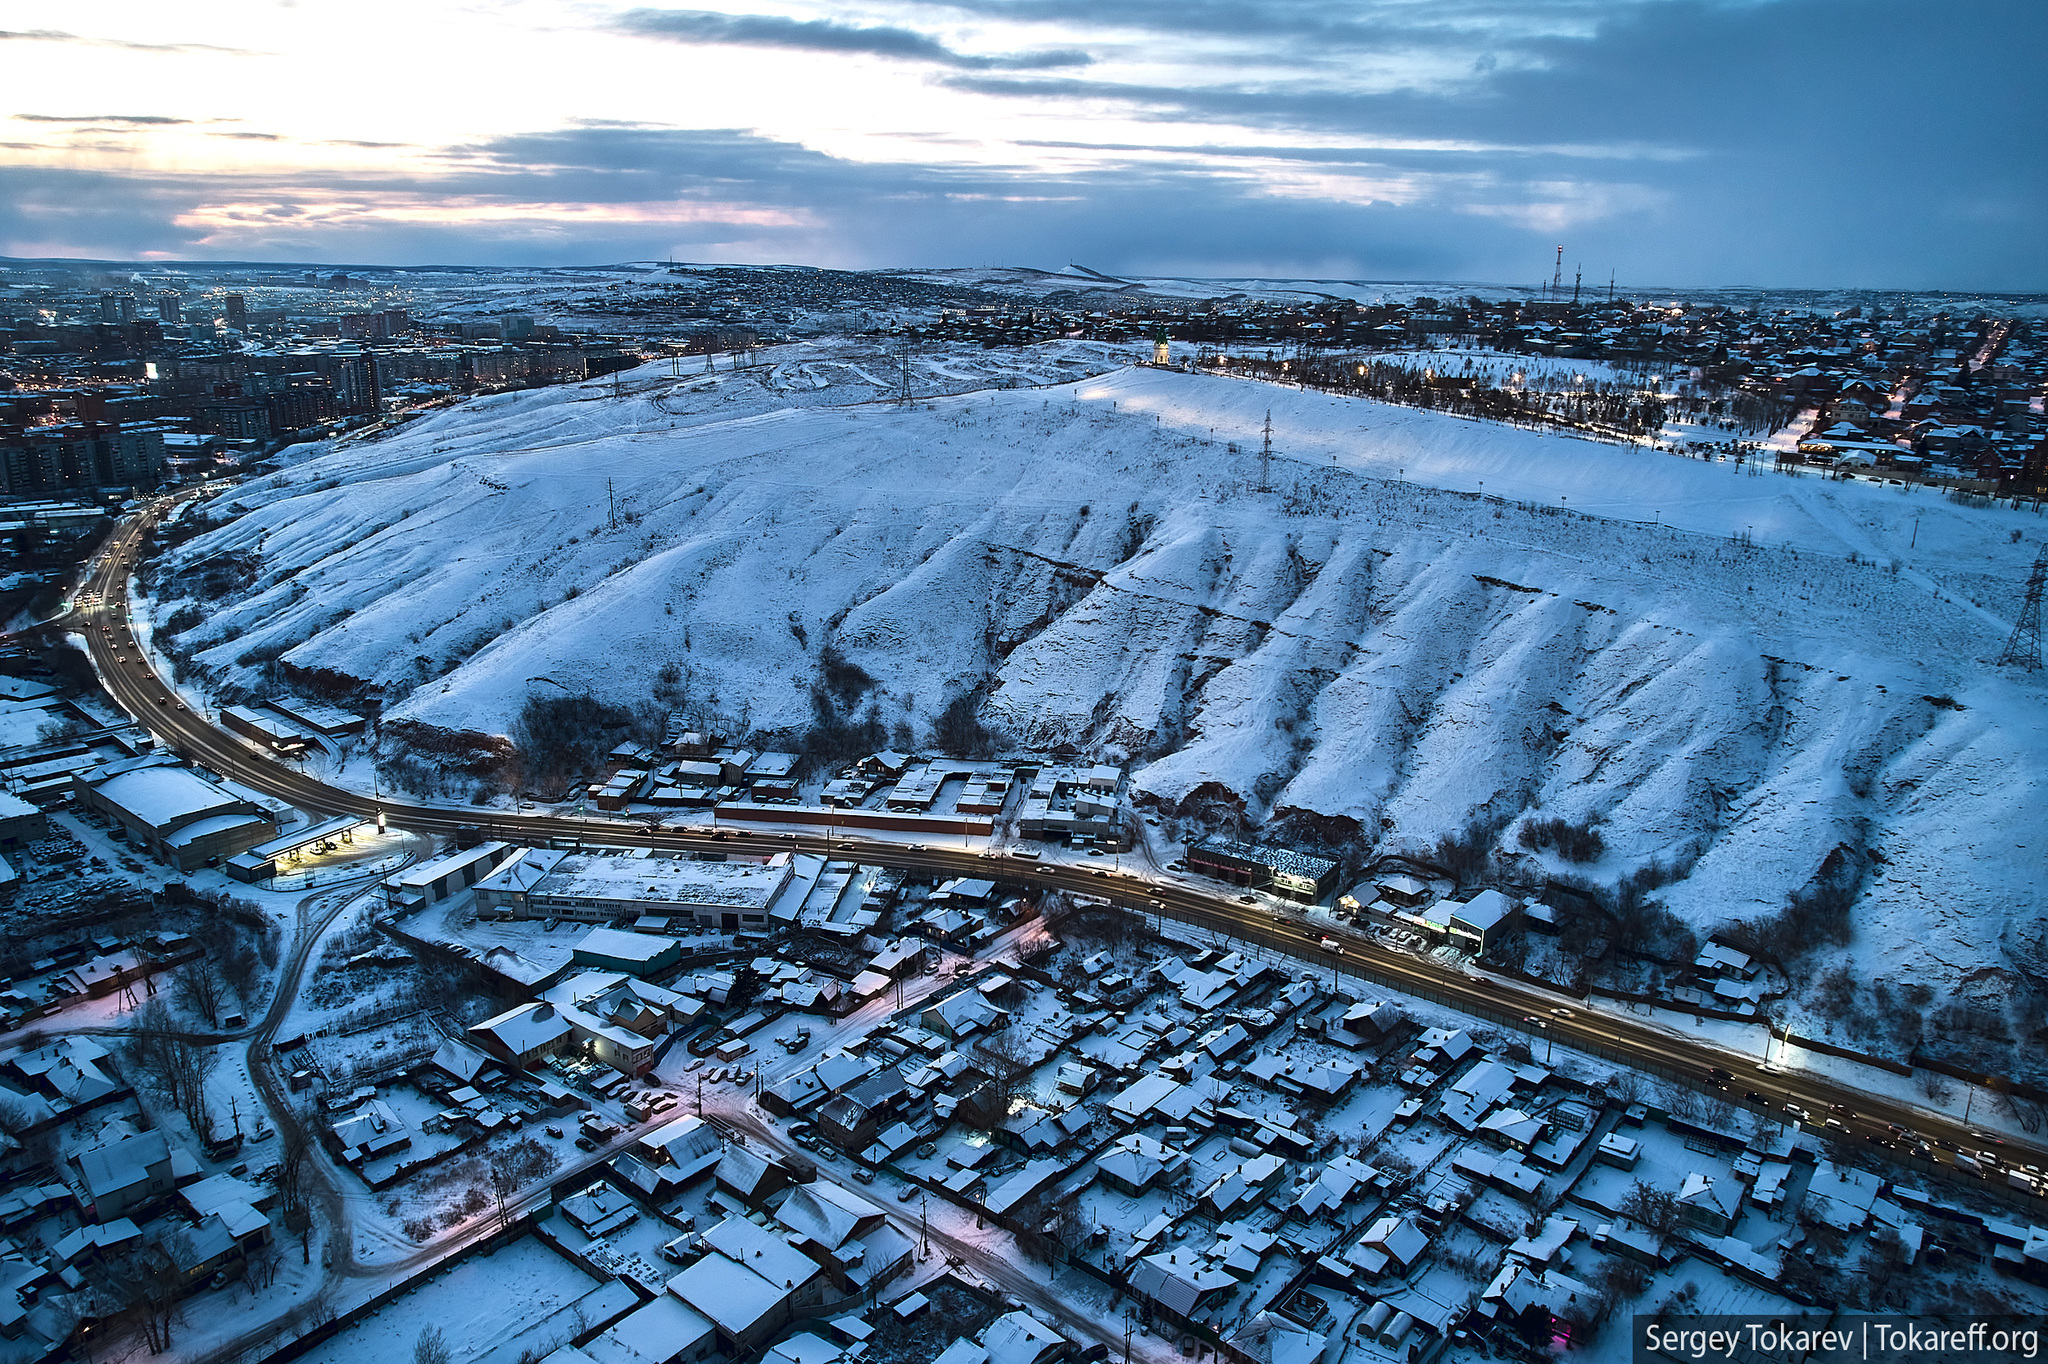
(446, 919)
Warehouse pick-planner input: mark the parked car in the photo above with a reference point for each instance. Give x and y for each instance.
(585, 1144)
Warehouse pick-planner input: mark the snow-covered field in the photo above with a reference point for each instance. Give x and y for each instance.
(1426, 619)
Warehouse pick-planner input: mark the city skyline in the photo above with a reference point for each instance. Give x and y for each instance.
(1783, 143)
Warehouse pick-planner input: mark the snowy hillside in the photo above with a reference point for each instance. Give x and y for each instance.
(1372, 641)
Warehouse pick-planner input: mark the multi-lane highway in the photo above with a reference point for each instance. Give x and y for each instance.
(1860, 1117)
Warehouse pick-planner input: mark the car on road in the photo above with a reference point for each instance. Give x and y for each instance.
(1753, 1097)
(1720, 1077)
(1560, 1013)
(906, 1193)
(1247, 899)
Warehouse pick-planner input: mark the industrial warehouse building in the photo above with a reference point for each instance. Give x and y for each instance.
(729, 897)
(182, 818)
(20, 823)
(450, 874)
(1261, 866)
(271, 733)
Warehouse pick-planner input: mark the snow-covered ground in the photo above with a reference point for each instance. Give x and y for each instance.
(1427, 618)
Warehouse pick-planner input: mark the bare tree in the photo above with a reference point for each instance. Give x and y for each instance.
(1002, 1058)
(264, 1265)
(292, 1152)
(1655, 1209)
(192, 1065)
(1681, 1102)
(431, 1348)
(200, 986)
(147, 1283)
(1625, 1087)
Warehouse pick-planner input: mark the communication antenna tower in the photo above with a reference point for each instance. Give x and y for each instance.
(1266, 458)
(2023, 650)
(1557, 275)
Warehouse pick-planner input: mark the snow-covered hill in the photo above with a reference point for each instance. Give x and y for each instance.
(1426, 621)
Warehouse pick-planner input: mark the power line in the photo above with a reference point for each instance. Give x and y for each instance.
(2023, 650)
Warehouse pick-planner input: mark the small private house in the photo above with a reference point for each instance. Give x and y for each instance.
(125, 1175)
(1483, 921)
(750, 1284)
(525, 1035)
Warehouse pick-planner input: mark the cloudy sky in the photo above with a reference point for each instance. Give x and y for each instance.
(1888, 143)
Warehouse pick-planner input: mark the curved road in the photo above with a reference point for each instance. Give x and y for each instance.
(100, 612)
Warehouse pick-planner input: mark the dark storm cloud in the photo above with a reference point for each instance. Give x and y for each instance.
(824, 35)
(1822, 141)
(1819, 142)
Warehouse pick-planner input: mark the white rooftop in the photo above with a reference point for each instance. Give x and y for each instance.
(668, 880)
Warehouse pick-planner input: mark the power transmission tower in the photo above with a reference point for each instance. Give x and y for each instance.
(1266, 456)
(2023, 650)
(904, 394)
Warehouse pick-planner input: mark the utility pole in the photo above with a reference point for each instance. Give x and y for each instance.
(611, 505)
